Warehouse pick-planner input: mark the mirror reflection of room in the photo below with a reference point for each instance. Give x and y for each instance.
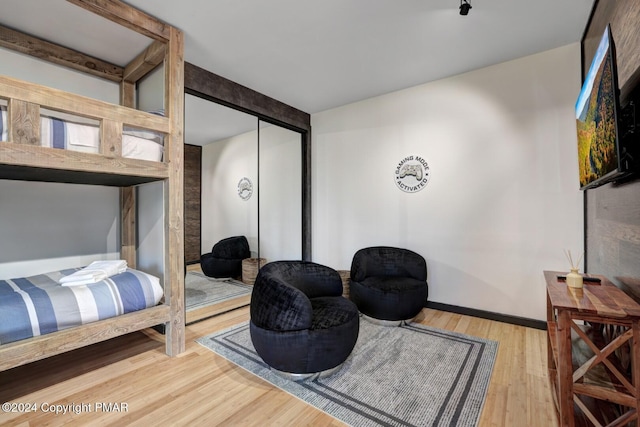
(280, 159)
(221, 208)
(243, 203)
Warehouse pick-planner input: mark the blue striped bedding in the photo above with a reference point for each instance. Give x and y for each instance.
(39, 305)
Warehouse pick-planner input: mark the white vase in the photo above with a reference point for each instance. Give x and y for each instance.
(574, 279)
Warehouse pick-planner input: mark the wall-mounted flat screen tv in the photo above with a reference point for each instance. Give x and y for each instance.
(597, 111)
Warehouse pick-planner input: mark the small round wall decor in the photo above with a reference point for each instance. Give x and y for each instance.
(245, 188)
(412, 174)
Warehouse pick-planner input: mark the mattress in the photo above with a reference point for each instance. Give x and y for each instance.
(85, 137)
(39, 305)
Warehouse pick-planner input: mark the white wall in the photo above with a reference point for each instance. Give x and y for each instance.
(150, 94)
(49, 226)
(502, 202)
(150, 219)
(27, 68)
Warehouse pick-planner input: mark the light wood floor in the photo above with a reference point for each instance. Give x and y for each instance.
(201, 388)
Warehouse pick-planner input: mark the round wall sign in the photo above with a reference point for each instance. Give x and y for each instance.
(412, 174)
(245, 188)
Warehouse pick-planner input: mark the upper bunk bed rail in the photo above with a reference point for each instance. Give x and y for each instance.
(23, 150)
(23, 153)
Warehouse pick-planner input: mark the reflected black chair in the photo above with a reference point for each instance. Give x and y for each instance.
(300, 324)
(388, 284)
(225, 258)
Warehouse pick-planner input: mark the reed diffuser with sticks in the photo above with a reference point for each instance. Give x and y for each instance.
(574, 279)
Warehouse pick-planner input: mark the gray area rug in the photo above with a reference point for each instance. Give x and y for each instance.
(201, 291)
(412, 375)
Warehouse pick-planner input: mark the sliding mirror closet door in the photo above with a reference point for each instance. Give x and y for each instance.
(229, 174)
(228, 197)
(280, 193)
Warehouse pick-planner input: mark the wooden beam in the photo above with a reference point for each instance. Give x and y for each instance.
(24, 122)
(174, 193)
(207, 85)
(145, 62)
(46, 158)
(128, 206)
(111, 138)
(127, 16)
(128, 94)
(42, 49)
(46, 174)
(79, 105)
(128, 225)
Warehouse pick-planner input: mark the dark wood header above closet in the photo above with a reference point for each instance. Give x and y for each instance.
(205, 84)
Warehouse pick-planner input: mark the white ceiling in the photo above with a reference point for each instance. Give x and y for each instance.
(319, 54)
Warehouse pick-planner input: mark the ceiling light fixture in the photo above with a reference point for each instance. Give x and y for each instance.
(464, 7)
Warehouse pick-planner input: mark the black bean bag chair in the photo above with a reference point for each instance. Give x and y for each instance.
(225, 258)
(300, 324)
(388, 284)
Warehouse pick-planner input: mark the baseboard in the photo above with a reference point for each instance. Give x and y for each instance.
(514, 320)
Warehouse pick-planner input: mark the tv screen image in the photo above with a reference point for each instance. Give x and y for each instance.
(596, 118)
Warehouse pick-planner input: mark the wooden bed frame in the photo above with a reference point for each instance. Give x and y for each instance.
(22, 158)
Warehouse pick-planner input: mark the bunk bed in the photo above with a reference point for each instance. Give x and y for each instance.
(25, 154)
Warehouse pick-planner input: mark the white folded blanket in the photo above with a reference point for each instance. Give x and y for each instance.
(95, 272)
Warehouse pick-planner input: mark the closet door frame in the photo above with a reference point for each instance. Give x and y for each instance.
(207, 85)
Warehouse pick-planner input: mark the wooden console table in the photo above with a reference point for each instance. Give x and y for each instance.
(597, 304)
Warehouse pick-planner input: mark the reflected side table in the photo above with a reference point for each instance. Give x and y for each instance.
(567, 310)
